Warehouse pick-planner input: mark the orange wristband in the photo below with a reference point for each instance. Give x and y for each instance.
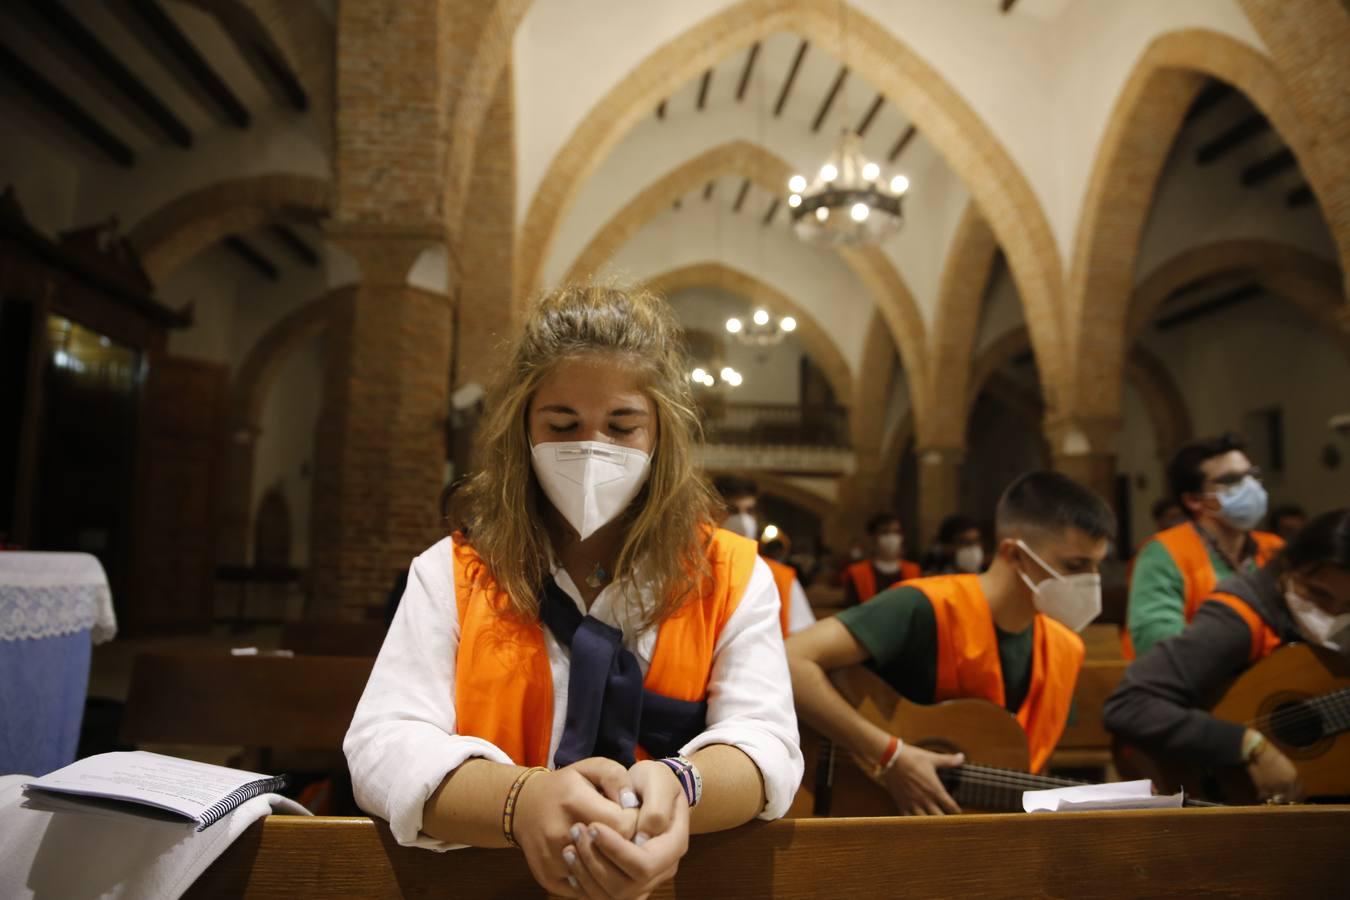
(891, 749)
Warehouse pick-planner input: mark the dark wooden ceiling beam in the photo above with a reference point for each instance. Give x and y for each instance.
(740, 196)
(53, 101)
(703, 89)
(870, 115)
(708, 190)
(1209, 307)
(745, 73)
(1264, 170)
(791, 77)
(661, 110)
(1231, 139)
(1299, 196)
(1209, 97)
(829, 98)
(902, 143)
(246, 252)
(107, 66)
(188, 60)
(1006, 5)
(297, 245)
(773, 209)
(282, 76)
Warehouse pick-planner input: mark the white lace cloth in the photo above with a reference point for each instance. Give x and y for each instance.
(44, 595)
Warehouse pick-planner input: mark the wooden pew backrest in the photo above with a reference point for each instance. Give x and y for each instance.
(300, 703)
(332, 638)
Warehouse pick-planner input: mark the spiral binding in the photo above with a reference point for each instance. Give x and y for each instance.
(235, 798)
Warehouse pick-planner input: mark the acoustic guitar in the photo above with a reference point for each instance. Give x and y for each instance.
(1299, 698)
(992, 779)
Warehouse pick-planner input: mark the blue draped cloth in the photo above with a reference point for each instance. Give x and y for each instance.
(43, 682)
(609, 712)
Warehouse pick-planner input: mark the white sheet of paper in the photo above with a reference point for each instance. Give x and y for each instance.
(1084, 797)
(178, 785)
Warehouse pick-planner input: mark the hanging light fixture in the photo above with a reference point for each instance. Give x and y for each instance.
(848, 202)
(762, 330)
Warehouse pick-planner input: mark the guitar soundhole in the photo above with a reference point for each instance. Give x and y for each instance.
(1295, 725)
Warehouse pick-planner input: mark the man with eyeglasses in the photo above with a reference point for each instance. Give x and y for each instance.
(1224, 499)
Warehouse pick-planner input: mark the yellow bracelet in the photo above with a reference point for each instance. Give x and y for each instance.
(509, 810)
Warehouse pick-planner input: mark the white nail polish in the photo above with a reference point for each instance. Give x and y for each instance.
(575, 833)
(640, 839)
(570, 856)
(628, 800)
(572, 882)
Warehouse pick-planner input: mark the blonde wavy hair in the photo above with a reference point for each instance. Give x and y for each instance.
(669, 522)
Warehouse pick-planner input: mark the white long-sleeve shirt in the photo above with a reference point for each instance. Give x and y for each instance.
(402, 741)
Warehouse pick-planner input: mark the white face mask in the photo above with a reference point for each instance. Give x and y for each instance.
(1319, 626)
(742, 523)
(589, 482)
(969, 558)
(890, 546)
(1071, 600)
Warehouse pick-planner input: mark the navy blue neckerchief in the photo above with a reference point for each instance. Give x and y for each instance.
(609, 712)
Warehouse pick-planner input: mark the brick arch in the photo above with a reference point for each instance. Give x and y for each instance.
(819, 346)
(874, 270)
(1131, 156)
(965, 279)
(1294, 275)
(1163, 401)
(179, 230)
(780, 487)
(893, 68)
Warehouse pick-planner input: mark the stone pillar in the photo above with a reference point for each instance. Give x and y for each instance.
(380, 442)
(241, 444)
(939, 489)
(1084, 448)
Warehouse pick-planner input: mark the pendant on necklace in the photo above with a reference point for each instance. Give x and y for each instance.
(598, 576)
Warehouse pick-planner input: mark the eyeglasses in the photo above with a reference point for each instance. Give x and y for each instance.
(1236, 478)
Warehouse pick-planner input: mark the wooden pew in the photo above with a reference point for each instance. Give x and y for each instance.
(301, 703)
(332, 638)
(1086, 744)
(1248, 851)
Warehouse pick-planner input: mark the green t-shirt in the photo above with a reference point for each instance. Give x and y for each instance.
(1157, 606)
(899, 631)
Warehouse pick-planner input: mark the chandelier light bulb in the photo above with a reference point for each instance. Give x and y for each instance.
(699, 375)
(797, 184)
(734, 379)
(788, 323)
(734, 326)
(710, 381)
(828, 172)
(795, 201)
(727, 372)
(761, 317)
(770, 532)
(822, 213)
(871, 171)
(899, 184)
(859, 212)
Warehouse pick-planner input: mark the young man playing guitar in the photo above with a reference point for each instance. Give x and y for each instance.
(1006, 636)
(1161, 705)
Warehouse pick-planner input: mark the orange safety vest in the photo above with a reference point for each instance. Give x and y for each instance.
(1190, 555)
(783, 578)
(968, 663)
(1265, 640)
(864, 577)
(503, 681)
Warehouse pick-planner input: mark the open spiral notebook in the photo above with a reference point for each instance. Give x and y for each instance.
(199, 792)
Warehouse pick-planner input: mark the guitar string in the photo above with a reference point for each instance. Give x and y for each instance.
(1336, 703)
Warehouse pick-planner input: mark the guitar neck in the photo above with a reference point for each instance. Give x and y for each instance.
(995, 789)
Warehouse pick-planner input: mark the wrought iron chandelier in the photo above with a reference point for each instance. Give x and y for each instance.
(848, 202)
(762, 330)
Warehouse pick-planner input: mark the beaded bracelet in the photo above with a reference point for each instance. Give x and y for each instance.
(690, 779)
(509, 810)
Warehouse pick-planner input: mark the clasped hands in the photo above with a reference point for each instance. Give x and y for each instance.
(597, 830)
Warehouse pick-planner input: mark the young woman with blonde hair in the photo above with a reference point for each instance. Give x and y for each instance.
(590, 670)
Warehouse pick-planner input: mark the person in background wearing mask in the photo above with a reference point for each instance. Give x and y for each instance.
(959, 548)
(590, 670)
(1222, 494)
(1302, 595)
(740, 497)
(863, 579)
(1007, 636)
(1287, 521)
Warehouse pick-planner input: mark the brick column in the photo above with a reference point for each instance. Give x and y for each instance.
(380, 442)
(1084, 448)
(939, 488)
